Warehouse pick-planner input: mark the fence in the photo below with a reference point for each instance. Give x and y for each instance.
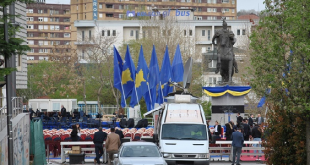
(17, 108)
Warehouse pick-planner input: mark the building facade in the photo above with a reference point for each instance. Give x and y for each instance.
(48, 30)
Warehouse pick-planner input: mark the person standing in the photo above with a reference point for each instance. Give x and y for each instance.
(251, 120)
(99, 137)
(229, 131)
(257, 136)
(112, 144)
(120, 134)
(239, 119)
(63, 111)
(74, 134)
(237, 143)
(246, 132)
(259, 119)
(217, 130)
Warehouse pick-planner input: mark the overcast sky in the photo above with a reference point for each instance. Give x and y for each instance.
(241, 4)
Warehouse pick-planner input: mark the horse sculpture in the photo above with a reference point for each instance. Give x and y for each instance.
(226, 63)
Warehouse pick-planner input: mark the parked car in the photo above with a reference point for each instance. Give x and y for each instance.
(135, 153)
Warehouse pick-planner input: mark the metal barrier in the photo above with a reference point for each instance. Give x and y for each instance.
(17, 105)
(223, 146)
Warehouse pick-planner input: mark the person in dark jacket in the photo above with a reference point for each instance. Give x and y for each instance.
(229, 131)
(237, 143)
(31, 113)
(63, 111)
(120, 134)
(246, 132)
(251, 121)
(257, 136)
(99, 137)
(74, 134)
(239, 119)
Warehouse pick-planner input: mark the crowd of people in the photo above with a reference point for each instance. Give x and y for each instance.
(243, 130)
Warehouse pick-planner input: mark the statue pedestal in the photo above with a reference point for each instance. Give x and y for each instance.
(226, 107)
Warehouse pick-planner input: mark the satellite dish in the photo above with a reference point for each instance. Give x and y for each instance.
(187, 76)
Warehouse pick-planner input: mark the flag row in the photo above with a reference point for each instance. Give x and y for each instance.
(148, 82)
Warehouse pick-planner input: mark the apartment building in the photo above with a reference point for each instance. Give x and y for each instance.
(48, 30)
(118, 9)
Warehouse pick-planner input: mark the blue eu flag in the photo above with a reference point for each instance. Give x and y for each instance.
(118, 65)
(165, 77)
(177, 66)
(153, 76)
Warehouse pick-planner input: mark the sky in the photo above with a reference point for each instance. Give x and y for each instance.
(241, 4)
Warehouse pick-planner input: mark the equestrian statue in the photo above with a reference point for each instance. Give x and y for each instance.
(226, 63)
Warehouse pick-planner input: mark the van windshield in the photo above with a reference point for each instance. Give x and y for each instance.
(184, 131)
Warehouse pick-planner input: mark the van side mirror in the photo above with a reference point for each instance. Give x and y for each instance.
(155, 138)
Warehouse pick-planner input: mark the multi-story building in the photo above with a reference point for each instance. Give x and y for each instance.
(118, 9)
(48, 30)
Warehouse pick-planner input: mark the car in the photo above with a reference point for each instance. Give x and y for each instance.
(139, 152)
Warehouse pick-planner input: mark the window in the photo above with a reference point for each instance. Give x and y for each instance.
(212, 1)
(29, 18)
(85, 16)
(82, 35)
(31, 51)
(203, 33)
(40, 27)
(85, 6)
(199, 9)
(40, 42)
(66, 42)
(67, 27)
(45, 27)
(40, 11)
(45, 19)
(66, 19)
(56, 106)
(137, 34)
(243, 31)
(109, 15)
(226, 10)
(29, 11)
(121, 7)
(108, 33)
(57, 27)
(212, 64)
(209, 35)
(212, 80)
(199, 18)
(211, 9)
(198, 1)
(225, 1)
(131, 33)
(184, 32)
(102, 32)
(52, 27)
(89, 34)
(29, 26)
(30, 58)
(29, 34)
(100, 15)
(232, 1)
(232, 10)
(30, 42)
(43, 58)
(66, 35)
(56, 19)
(190, 32)
(100, 5)
(212, 18)
(45, 42)
(121, 16)
(109, 6)
(77, 7)
(238, 32)
(114, 33)
(41, 50)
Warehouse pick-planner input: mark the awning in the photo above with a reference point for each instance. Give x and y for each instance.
(154, 110)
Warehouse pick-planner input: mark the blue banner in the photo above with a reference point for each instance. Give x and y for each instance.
(95, 10)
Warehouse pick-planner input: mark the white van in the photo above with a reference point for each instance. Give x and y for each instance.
(181, 131)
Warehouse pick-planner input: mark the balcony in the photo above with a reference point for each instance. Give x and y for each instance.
(84, 43)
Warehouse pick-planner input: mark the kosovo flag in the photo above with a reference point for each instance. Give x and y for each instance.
(118, 64)
(148, 101)
(165, 77)
(141, 80)
(177, 66)
(128, 76)
(153, 76)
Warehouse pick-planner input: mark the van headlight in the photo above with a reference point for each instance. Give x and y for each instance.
(203, 156)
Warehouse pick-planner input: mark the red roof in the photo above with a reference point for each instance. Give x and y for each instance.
(248, 17)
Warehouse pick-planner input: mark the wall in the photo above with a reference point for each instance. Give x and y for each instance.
(21, 141)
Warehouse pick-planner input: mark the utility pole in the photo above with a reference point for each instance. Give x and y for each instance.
(10, 82)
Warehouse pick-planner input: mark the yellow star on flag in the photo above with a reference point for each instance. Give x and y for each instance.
(139, 78)
(126, 76)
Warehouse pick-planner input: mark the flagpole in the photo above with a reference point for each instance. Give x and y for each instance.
(124, 95)
(150, 95)
(162, 94)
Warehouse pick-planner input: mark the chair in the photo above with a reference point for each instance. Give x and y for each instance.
(69, 123)
(63, 122)
(84, 122)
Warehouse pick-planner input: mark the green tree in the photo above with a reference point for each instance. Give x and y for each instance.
(280, 58)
